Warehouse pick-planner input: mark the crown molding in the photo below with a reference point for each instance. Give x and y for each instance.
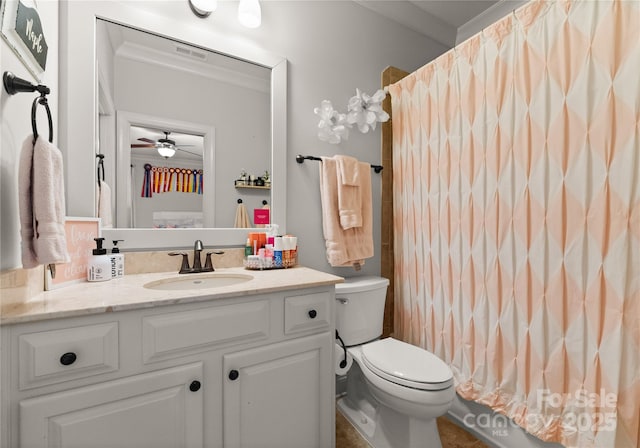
(152, 56)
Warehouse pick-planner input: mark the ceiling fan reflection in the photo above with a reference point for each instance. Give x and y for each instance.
(166, 147)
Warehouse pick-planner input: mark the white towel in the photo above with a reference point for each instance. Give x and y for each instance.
(345, 247)
(41, 204)
(349, 191)
(242, 217)
(103, 195)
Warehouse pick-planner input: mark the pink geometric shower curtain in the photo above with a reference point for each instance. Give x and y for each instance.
(516, 161)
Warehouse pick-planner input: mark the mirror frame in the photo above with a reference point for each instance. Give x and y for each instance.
(77, 115)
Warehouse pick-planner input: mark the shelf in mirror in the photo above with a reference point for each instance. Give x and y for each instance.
(254, 187)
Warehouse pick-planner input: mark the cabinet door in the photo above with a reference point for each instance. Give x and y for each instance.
(157, 409)
(280, 395)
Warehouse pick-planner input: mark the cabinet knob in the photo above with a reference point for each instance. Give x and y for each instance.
(313, 314)
(194, 386)
(233, 375)
(68, 358)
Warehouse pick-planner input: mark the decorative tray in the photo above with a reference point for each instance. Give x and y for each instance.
(261, 264)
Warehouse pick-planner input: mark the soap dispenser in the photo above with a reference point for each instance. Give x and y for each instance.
(99, 265)
(117, 261)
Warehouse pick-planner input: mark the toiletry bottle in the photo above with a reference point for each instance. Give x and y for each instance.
(268, 256)
(272, 232)
(99, 265)
(248, 248)
(286, 251)
(269, 251)
(294, 250)
(117, 261)
(277, 252)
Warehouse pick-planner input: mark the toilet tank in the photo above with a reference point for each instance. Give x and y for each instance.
(360, 308)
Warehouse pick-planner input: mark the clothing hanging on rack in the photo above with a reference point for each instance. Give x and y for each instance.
(163, 179)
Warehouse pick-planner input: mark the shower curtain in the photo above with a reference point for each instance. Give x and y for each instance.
(516, 167)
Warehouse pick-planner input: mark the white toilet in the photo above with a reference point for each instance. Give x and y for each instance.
(395, 390)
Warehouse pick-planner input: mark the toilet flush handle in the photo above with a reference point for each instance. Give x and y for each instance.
(343, 363)
(342, 300)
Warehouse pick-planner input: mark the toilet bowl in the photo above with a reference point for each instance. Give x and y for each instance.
(394, 390)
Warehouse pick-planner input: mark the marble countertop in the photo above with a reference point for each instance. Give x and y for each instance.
(128, 293)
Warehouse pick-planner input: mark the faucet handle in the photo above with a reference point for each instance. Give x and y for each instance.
(184, 268)
(208, 265)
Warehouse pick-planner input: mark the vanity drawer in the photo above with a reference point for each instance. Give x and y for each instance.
(169, 335)
(307, 312)
(56, 356)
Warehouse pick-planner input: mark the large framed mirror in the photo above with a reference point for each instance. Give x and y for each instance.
(123, 124)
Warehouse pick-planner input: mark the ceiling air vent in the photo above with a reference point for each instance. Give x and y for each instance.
(199, 55)
(184, 51)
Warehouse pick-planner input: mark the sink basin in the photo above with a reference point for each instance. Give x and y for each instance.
(186, 282)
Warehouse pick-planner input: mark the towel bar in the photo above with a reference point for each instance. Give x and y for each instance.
(301, 159)
(13, 85)
(100, 167)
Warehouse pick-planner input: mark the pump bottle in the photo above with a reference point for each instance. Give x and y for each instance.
(117, 261)
(99, 265)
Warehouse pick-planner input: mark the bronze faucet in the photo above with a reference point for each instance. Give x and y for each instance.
(197, 261)
(197, 250)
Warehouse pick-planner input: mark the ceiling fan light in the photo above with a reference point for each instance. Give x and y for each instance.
(250, 13)
(166, 150)
(203, 8)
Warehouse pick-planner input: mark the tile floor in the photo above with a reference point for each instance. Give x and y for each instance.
(451, 435)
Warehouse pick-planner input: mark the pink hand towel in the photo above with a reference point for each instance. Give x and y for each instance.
(25, 204)
(345, 247)
(349, 191)
(41, 204)
(348, 170)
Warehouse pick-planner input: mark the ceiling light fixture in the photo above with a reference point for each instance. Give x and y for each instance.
(166, 149)
(203, 8)
(250, 13)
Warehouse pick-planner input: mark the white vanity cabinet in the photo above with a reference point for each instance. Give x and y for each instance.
(158, 409)
(277, 395)
(251, 371)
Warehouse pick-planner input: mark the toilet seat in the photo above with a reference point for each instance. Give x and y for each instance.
(406, 365)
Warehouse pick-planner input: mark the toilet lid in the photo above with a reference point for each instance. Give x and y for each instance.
(407, 365)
